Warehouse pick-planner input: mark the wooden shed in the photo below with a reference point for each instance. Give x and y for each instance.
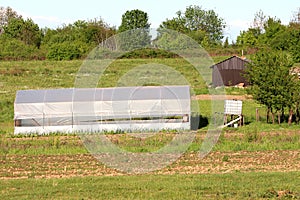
(229, 72)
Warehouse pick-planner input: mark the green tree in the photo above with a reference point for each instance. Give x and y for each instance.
(294, 36)
(272, 83)
(294, 43)
(25, 30)
(262, 32)
(134, 31)
(199, 24)
(75, 40)
(6, 14)
(134, 19)
(272, 28)
(98, 31)
(248, 38)
(226, 43)
(259, 22)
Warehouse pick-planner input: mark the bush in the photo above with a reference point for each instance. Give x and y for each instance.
(67, 50)
(14, 49)
(149, 53)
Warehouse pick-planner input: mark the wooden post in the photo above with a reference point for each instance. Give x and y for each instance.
(225, 119)
(243, 120)
(257, 114)
(290, 117)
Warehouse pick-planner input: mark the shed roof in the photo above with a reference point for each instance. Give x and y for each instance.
(233, 62)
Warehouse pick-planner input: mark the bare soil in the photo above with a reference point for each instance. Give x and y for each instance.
(221, 97)
(57, 166)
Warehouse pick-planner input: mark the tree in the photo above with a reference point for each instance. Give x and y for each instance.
(198, 24)
(251, 37)
(265, 32)
(272, 27)
(75, 40)
(98, 31)
(25, 30)
(259, 22)
(7, 14)
(272, 83)
(248, 38)
(19, 38)
(294, 36)
(294, 43)
(134, 30)
(226, 43)
(134, 19)
(296, 17)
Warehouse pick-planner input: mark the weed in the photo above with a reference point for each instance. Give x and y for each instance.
(225, 158)
(252, 136)
(56, 142)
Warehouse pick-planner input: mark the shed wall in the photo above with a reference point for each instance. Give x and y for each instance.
(229, 72)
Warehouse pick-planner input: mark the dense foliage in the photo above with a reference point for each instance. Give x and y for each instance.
(206, 27)
(270, 32)
(23, 39)
(273, 84)
(134, 31)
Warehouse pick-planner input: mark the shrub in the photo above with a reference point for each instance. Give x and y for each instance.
(67, 50)
(14, 49)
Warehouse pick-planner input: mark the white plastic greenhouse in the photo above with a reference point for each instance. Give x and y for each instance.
(102, 109)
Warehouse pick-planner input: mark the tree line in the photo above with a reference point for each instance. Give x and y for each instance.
(269, 32)
(23, 39)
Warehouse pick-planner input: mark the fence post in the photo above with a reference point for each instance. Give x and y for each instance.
(257, 114)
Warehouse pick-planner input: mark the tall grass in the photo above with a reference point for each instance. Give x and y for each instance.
(59, 144)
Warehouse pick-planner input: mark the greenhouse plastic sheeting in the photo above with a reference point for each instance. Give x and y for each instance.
(99, 109)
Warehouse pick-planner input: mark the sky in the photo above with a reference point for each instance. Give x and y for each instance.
(237, 14)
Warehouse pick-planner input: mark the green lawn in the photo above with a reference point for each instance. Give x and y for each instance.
(210, 186)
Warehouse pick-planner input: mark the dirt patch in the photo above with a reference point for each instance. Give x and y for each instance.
(220, 97)
(242, 161)
(58, 166)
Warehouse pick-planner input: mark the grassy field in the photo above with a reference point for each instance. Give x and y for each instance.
(228, 141)
(21, 75)
(211, 186)
(255, 161)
